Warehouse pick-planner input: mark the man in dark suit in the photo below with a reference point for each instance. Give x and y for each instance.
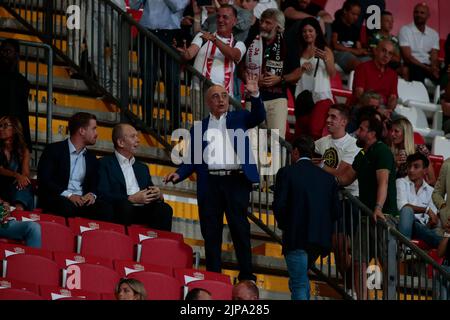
(224, 184)
(126, 184)
(306, 205)
(67, 172)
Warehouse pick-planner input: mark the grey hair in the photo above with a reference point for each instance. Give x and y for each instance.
(275, 14)
(370, 94)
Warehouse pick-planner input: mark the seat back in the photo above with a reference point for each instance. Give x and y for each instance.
(33, 269)
(441, 147)
(37, 216)
(126, 267)
(92, 277)
(218, 289)
(65, 259)
(18, 294)
(413, 90)
(59, 293)
(139, 234)
(436, 162)
(57, 237)
(189, 275)
(107, 244)
(16, 284)
(416, 116)
(166, 252)
(159, 286)
(80, 225)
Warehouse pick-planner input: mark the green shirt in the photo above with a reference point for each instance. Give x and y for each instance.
(366, 164)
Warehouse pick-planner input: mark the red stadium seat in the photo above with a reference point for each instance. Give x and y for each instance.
(219, 290)
(9, 249)
(166, 252)
(80, 225)
(91, 277)
(127, 267)
(107, 244)
(17, 294)
(434, 255)
(37, 216)
(159, 286)
(108, 296)
(188, 275)
(65, 259)
(436, 162)
(58, 293)
(33, 269)
(16, 284)
(418, 139)
(57, 237)
(139, 234)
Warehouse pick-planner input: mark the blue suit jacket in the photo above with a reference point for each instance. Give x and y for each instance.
(306, 205)
(111, 181)
(242, 119)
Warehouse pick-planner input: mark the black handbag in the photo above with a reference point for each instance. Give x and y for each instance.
(304, 103)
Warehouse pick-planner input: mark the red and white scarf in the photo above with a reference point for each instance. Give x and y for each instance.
(228, 64)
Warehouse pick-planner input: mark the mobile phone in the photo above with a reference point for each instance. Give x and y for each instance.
(201, 3)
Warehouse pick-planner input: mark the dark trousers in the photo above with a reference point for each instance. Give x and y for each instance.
(229, 194)
(156, 215)
(418, 74)
(151, 60)
(64, 207)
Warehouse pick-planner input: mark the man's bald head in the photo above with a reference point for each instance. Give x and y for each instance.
(384, 52)
(217, 100)
(421, 14)
(245, 290)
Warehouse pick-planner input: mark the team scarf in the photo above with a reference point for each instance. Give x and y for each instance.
(228, 64)
(270, 59)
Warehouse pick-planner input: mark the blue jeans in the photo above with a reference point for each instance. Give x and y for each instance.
(22, 230)
(297, 266)
(410, 227)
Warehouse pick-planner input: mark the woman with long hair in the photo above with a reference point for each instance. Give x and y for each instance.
(15, 165)
(402, 145)
(130, 289)
(313, 90)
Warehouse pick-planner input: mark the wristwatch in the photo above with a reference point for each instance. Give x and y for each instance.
(378, 206)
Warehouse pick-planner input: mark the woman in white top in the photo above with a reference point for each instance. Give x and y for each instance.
(317, 67)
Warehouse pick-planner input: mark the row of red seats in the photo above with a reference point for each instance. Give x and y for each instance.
(27, 268)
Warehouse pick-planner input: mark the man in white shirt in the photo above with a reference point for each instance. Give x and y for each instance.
(418, 215)
(127, 186)
(419, 46)
(337, 151)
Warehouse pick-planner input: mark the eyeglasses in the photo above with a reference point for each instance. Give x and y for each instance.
(5, 125)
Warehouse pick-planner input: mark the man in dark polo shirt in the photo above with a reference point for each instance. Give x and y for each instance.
(374, 167)
(377, 76)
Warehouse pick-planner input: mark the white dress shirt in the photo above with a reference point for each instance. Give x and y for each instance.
(219, 154)
(128, 173)
(77, 171)
(406, 194)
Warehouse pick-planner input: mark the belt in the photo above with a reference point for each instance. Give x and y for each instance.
(225, 172)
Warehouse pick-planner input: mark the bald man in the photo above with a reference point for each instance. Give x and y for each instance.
(419, 45)
(224, 183)
(127, 186)
(375, 75)
(245, 290)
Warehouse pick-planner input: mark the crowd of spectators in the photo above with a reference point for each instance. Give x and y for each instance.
(364, 144)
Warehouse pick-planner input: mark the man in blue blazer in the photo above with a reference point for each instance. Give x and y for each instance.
(67, 172)
(306, 206)
(127, 186)
(225, 174)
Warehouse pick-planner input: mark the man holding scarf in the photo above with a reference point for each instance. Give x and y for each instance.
(215, 54)
(265, 57)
